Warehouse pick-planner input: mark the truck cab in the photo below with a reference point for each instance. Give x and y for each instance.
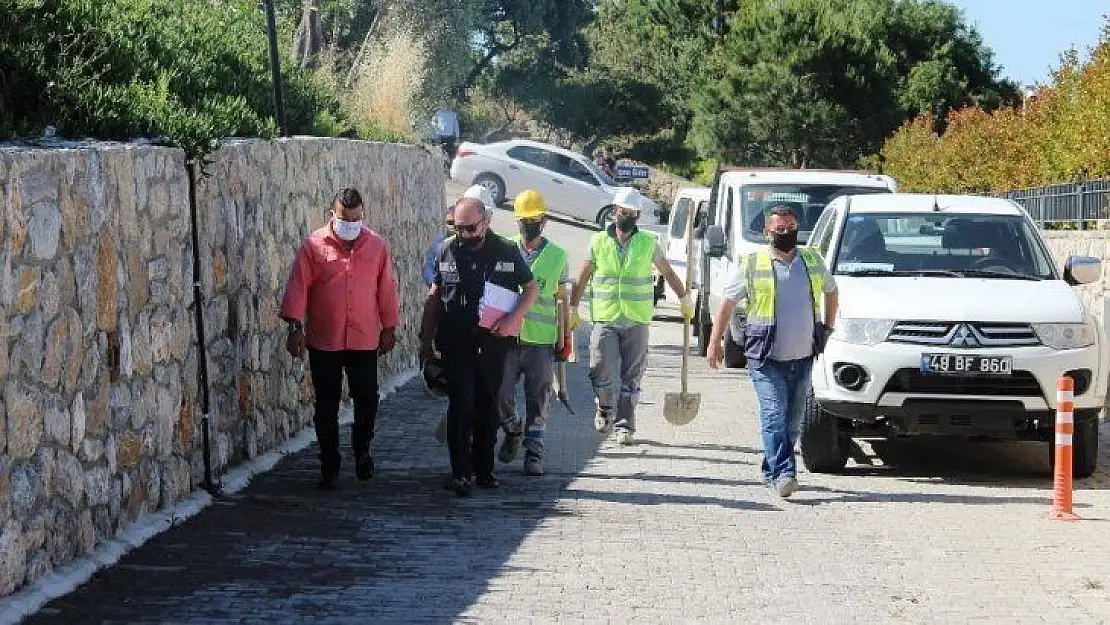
(679, 233)
(738, 204)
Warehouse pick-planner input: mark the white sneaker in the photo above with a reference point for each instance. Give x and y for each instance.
(624, 437)
(603, 421)
(786, 486)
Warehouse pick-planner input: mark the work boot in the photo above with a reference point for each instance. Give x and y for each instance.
(533, 466)
(624, 437)
(460, 485)
(785, 486)
(510, 446)
(364, 466)
(603, 420)
(487, 482)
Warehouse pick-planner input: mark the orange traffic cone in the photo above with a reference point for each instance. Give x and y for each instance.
(1061, 475)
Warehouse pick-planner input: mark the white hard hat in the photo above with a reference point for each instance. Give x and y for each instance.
(482, 194)
(628, 197)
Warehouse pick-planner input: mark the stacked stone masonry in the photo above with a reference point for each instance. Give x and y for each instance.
(98, 350)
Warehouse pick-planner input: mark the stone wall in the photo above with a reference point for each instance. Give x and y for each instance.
(1084, 243)
(98, 359)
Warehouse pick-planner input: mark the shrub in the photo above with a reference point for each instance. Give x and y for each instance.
(191, 71)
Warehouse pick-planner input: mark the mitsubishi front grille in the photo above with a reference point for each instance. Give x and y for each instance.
(964, 334)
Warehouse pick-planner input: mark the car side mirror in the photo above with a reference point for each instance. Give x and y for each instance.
(715, 245)
(1082, 270)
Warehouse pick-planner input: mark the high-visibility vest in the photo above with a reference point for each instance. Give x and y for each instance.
(759, 328)
(541, 327)
(622, 288)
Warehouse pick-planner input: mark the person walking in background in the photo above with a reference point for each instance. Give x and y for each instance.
(787, 288)
(475, 264)
(341, 304)
(445, 124)
(622, 304)
(533, 356)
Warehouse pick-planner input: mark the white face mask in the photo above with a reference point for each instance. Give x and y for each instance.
(347, 230)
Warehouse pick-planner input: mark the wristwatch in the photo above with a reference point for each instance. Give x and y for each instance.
(295, 326)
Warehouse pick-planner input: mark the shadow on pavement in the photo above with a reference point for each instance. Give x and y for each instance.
(973, 463)
(399, 548)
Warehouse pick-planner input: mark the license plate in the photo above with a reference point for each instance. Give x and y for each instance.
(961, 364)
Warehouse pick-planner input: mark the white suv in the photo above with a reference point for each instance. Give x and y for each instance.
(953, 321)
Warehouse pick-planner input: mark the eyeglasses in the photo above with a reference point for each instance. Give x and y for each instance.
(469, 228)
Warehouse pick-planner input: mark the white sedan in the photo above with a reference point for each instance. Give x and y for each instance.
(570, 183)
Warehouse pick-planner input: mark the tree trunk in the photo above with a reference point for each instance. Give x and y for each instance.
(309, 38)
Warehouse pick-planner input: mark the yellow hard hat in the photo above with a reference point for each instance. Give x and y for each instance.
(529, 203)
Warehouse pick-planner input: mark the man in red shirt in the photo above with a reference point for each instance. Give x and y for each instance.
(341, 303)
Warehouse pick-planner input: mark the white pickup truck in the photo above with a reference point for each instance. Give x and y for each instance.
(738, 203)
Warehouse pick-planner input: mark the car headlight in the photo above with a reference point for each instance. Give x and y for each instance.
(1066, 335)
(863, 331)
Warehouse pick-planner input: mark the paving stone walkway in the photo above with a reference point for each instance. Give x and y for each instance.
(676, 528)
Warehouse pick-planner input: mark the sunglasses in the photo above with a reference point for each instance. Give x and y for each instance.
(531, 220)
(469, 228)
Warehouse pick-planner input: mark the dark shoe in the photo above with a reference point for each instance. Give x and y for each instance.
(327, 480)
(461, 486)
(533, 465)
(364, 466)
(487, 482)
(510, 447)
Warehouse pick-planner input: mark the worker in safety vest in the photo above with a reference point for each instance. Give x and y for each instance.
(622, 304)
(787, 289)
(533, 357)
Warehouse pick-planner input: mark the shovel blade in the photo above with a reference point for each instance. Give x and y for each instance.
(681, 408)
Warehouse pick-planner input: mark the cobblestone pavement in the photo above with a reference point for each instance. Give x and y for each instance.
(676, 528)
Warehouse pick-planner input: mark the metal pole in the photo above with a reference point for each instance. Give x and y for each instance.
(1082, 207)
(275, 68)
(202, 351)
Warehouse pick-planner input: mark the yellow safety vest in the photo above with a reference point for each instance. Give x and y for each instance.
(541, 327)
(622, 288)
(759, 329)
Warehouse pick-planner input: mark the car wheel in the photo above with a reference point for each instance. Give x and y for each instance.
(734, 353)
(604, 215)
(494, 184)
(1084, 459)
(824, 448)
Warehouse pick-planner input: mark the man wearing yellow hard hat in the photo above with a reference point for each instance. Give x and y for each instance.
(533, 356)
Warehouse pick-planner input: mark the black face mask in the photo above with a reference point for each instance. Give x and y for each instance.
(626, 224)
(531, 230)
(472, 243)
(784, 241)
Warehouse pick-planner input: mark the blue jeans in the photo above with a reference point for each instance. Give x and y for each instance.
(781, 387)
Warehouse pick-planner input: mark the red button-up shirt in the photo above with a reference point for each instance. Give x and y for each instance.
(344, 296)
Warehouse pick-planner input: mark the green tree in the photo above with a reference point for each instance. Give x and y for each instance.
(824, 82)
(189, 70)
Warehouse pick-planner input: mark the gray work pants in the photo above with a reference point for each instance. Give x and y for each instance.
(535, 363)
(629, 345)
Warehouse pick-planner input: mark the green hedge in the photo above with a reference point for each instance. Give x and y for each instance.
(192, 71)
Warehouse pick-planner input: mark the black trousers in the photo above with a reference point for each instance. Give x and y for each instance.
(327, 369)
(474, 373)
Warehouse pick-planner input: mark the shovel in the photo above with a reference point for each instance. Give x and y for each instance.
(681, 408)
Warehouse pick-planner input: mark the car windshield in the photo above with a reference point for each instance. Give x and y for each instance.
(807, 200)
(979, 245)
